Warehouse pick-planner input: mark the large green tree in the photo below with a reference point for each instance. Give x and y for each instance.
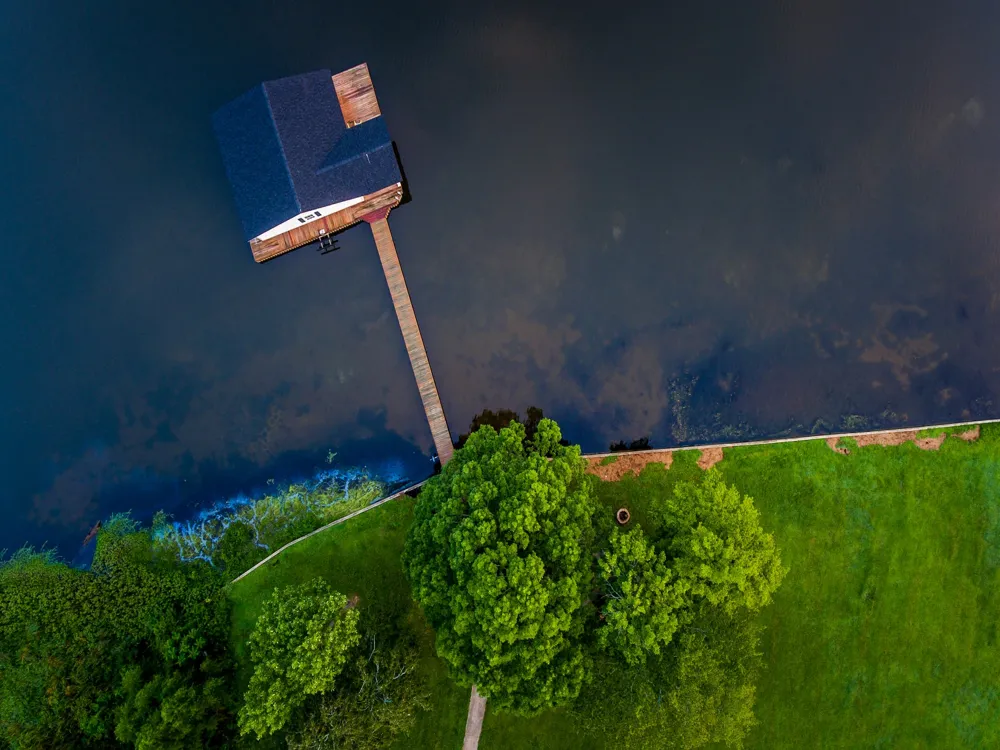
(679, 625)
(707, 545)
(499, 556)
(298, 647)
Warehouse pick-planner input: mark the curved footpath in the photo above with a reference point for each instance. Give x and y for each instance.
(631, 462)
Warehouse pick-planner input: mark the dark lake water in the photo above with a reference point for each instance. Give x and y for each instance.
(698, 223)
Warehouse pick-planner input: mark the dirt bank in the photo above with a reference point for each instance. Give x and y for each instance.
(633, 463)
(709, 458)
(627, 463)
(898, 438)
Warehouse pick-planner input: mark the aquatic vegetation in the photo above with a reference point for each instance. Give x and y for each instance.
(239, 531)
(27, 556)
(855, 422)
(679, 393)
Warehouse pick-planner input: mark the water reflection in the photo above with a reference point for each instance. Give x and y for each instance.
(659, 222)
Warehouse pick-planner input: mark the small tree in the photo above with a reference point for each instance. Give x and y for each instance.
(298, 648)
(640, 444)
(713, 537)
(699, 690)
(381, 692)
(644, 600)
(499, 557)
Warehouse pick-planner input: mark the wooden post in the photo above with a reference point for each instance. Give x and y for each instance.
(378, 220)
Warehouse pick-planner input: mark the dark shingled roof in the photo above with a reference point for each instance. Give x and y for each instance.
(286, 150)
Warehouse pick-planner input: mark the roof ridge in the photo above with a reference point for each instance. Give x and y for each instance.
(281, 145)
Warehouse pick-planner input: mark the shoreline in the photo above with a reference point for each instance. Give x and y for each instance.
(713, 449)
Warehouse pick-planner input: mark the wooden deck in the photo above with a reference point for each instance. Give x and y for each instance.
(411, 335)
(304, 234)
(356, 95)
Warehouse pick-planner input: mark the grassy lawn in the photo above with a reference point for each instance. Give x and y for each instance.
(883, 634)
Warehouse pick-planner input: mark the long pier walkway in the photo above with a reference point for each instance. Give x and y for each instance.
(411, 334)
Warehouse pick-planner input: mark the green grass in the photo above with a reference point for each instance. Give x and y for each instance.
(846, 442)
(608, 460)
(361, 556)
(553, 730)
(883, 634)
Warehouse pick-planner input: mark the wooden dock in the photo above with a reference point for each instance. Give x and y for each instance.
(411, 334)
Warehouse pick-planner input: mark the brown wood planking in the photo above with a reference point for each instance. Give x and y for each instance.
(330, 224)
(414, 342)
(356, 95)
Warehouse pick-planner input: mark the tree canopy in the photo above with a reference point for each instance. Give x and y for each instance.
(645, 602)
(501, 418)
(714, 537)
(133, 650)
(526, 581)
(707, 544)
(698, 690)
(678, 629)
(380, 693)
(499, 557)
(298, 647)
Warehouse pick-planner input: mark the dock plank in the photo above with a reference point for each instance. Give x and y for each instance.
(411, 336)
